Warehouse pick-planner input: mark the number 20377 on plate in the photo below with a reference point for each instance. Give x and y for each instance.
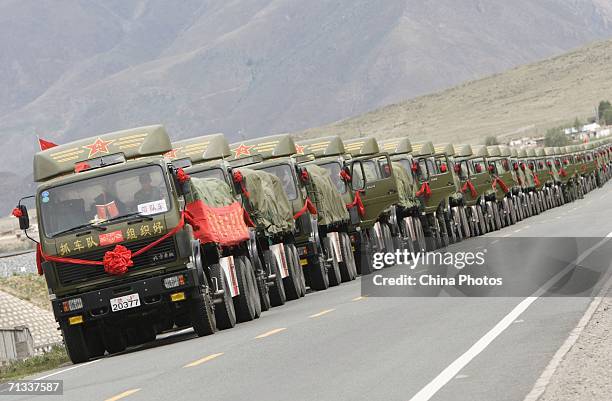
(125, 302)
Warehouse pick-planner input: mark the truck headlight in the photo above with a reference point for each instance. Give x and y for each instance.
(174, 281)
(72, 304)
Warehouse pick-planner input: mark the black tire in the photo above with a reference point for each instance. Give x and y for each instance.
(76, 346)
(317, 273)
(299, 270)
(431, 236)
(291, 282)
(202, 313)
(244, 304)
(333, 271)
(262, 287)
(252, 279)
(482, 224)
(277, 290)
(225, 313)
(348, 269)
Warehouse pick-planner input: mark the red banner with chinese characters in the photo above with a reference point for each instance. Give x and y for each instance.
(223, 225)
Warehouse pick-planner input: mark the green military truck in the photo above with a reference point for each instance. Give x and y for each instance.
(522, 183)
(366, 204)
(477, 187)
(498, 165)
(317, 253)
(553, 182)
(409, 210)
(120, 261)
(206, 157)
(376, 189)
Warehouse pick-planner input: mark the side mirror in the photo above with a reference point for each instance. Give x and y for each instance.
(357, 176)
(21, 212)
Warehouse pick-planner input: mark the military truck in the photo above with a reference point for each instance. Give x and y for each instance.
(120, 260)
(519, 187)
(553, 183)
(476, 185)
(366, 203)
(410, 209)
(206, 157)
(373, 179)
(529, 185)
(309, 246)
(498, 165)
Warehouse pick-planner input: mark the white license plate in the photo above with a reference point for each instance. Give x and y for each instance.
(125, 302)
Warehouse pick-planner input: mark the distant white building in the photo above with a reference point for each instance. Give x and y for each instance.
(591, 128)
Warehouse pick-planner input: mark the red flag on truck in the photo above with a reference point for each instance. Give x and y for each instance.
(44, 145)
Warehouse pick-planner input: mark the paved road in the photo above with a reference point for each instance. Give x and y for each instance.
(337, 345)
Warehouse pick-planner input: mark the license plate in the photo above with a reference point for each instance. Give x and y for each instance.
(125, 302)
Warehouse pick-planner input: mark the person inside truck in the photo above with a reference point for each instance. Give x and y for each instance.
(147, 192)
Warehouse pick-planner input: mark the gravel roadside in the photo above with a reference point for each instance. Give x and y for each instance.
(585, 372)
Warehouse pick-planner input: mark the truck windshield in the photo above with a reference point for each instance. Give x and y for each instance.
(95, 200)
(334, 171)
(283, 171)
(210, 173)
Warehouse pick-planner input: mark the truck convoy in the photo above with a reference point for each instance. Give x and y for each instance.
(138, 236)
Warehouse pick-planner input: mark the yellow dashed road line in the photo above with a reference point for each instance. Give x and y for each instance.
(123, 395)
(269, 333)
(202, 360)
(325, 312)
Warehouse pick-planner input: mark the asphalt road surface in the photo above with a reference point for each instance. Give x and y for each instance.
(337, 345)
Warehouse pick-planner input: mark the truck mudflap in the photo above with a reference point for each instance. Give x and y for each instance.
(126, 298)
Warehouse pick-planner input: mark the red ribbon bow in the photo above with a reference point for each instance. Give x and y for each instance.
(238, 178)
(562, 172)
(536, 179)
(116, 261)
(357, 202)
(501, 183)
(468, 185)
(182, 176)
(425, 190)
(17, 212)
(346, 177)
(308, 205)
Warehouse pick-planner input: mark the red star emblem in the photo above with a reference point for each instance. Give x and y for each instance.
(171, 154)
(242, 150)
(99, 146)
(299, 149)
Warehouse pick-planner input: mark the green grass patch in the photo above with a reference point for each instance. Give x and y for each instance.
(29, 287)
(49, 360)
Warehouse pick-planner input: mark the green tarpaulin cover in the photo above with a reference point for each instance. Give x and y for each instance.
(211, 191)
(406, 186)
(270, 209)
(325, 196)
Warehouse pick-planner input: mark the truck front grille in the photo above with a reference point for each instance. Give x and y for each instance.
(72, 273)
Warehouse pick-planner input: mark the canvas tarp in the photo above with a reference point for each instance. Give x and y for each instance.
(329, 203)
(214, 213)
(405, 186)
(269, 208)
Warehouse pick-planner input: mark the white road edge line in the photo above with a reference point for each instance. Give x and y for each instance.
(70, 368)
(453, 369)
(544, 379)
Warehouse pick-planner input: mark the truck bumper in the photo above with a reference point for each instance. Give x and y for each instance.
(154, 297)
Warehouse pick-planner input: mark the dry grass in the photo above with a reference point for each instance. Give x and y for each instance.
(524, 101)
(29, 287)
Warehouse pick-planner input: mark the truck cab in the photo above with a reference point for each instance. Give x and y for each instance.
(117, 256)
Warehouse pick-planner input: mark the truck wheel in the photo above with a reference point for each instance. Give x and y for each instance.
(263, 289)
(243, 303)
(419, 234)
(277, 290)
(299, 270)
(76, 346)
(335, 277)
(202, 314)
(387, 238)
(224, 309)
(317, 272)
(252, 279)
(482, 224)
(291, 282)
(114, 341)
(348, 269)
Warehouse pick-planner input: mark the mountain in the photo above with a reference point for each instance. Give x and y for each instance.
(75, 68)
(523, 101)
